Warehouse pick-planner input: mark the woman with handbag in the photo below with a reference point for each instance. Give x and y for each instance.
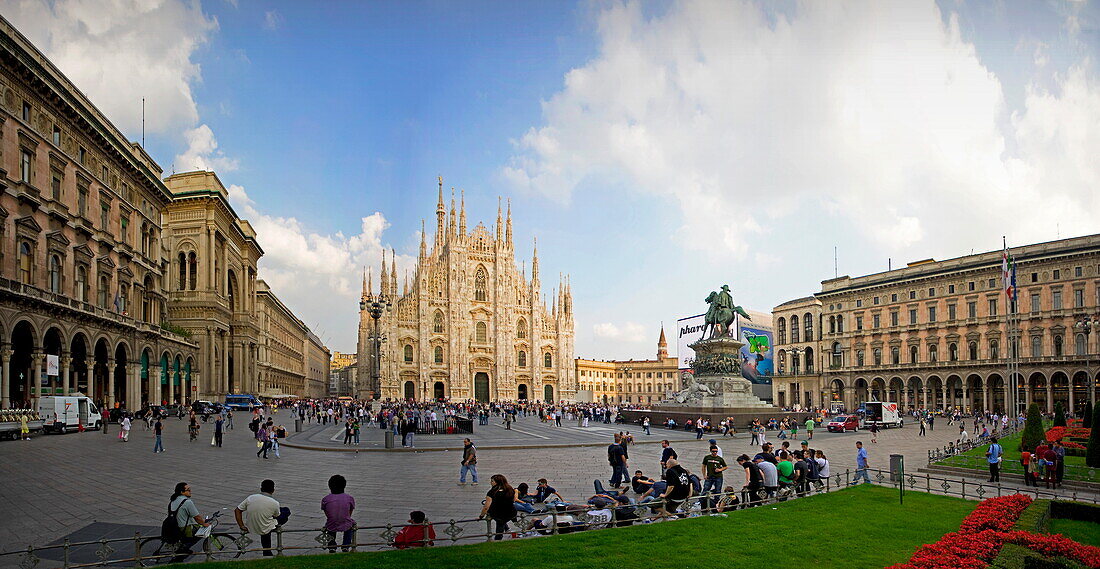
(499, 505)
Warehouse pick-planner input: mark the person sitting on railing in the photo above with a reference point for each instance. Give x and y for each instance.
(560, 516)
(338, 507)
(522, 503)
(419, 532)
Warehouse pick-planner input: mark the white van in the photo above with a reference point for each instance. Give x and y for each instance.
(883, 413)
(62, 414)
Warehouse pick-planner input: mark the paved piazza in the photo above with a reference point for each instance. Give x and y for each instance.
(56, 486)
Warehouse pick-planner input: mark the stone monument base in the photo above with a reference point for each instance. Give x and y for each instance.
(742, 418)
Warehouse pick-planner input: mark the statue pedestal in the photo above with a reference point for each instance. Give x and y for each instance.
(717, 382)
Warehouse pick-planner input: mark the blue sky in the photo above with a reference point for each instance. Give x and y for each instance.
(657, 150)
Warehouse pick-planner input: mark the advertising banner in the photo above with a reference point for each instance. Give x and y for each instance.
(757, 361)
(52, 362)
(688, 331)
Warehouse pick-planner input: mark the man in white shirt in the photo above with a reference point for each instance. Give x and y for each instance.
(260, 514)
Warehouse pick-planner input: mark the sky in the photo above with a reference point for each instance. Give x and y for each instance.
(656, 150)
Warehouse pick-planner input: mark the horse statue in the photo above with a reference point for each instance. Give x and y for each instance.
(721, 313)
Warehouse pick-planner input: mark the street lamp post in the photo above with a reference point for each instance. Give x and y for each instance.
(1085, 324)
(376, 306)
(796, 355)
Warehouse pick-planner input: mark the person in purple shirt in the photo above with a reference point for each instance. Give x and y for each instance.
(338, 507)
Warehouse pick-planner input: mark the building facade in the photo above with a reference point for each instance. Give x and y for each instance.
(634, 382)
(212, 289)
(318, 362)
(281, 362)
(940, 334)
(341, 359)
(469, 325)
(83, 264)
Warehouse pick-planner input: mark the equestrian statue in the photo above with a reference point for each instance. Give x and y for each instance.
(721, 313)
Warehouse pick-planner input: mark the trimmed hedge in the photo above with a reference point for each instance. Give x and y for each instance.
(1033, 433)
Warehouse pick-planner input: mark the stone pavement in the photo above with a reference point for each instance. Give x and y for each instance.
(56, 485)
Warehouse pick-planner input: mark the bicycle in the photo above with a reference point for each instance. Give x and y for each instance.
(155, 550)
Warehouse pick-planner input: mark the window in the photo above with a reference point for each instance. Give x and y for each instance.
(481, 284)
(55, 186)
(1036, 346)
(105, 215)
(124, 228)
(994, 349)
(547, 360)
(894, 297)
(859, 358)
(82, 202)
(521, 328)
(123, 298)
(1036, 303)
(839, 324)
(81, 290)
(931, 292)
(26, 111)
(101, 299)
(877, 354)
(782, 330)
(57, 135)
(1079, 298)
(1034, 277)
(832, 324)
(104, 176)
(437, 322)
(953, 352)
(973, 349)
(933, 353)
(838, 355)
(913, 354)
(931, 313)
(182, 271)
(893, 317)
(408, 353)
(952, 313)
(438, 354)
(26, 263)
(876, 301)
(875, 320)
(859, 322)
(970, 286)
(481, 332)
(1081, 345)
(912, 295)
(1056, 300)
(521, 359)
(1057, 341)
(895, 355)
(25, 165)
(950, 289)
(1078, 272)
(912, 316)
(993, 307)
(1057, 274)
(55, 274)
(972, 309)
(82, 155)
(992, 284)
(808, 324)
(794, 329)
(859, 302)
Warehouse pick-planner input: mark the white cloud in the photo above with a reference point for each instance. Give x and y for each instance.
(120, 51)
(202, 153)
(273, 20)
(627, 332)
(877, 112)
(319, 276)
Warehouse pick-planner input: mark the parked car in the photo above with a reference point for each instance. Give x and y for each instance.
(842, 423)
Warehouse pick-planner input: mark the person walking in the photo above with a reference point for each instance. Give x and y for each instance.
(810, 424)
(229, 420)
(874, 431)
(861, 464)
(261, 514)
(500, 505)
(104, 419)
(994, 454)
(645, 425)
(265, 440)
(923, 424)
(125, 433)
(219, 426)
(469, 462)
(158, 430)
(347, 433)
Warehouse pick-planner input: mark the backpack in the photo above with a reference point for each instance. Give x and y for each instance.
(696, 483)
(813, 468)
(170, 531)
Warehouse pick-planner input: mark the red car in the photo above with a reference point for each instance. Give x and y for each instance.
(842, 423)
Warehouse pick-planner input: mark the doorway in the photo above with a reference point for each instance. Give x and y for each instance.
(522, 393)
(481, 387)
(438, 391)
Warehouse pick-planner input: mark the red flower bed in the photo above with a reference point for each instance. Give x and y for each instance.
(1072, 432)
(982, 534)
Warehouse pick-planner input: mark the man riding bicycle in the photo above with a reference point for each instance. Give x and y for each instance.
(188, 519)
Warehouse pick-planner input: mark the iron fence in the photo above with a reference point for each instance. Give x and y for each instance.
(141, 550)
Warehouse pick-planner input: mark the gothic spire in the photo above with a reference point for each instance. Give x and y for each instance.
(385, 280)
(370, 282)
(662, 344)
(365, 289)
(500, 225)
(509, 230)
(535, 263)
(393, 272)
(451, 222)
(423, 240)
(440, 215)
(462, 216)
(405, 291)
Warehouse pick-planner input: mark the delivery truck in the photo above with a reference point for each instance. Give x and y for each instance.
(62, 414)
(882, 413)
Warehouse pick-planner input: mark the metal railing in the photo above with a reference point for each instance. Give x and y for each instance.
(951, 449)
(138, 550)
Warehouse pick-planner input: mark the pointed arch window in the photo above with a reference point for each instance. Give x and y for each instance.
(438, 354)
(437, 322)
(521, 328)
(521, 359)
(547, 360)
(481, 284)
(408, 353)
(481, 332)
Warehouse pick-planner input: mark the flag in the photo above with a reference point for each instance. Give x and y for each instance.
(118, 303)
(1012, 282)
(1005, 276)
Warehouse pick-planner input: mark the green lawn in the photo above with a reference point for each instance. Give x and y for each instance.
(975, 458)
(860, 527)
(1080, 531)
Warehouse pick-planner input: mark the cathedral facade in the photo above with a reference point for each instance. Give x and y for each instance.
(469, 324)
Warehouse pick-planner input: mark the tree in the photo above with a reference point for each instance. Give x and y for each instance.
(1033, 429)
(1092, 453)
(1086, 421)
(1059, 415)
